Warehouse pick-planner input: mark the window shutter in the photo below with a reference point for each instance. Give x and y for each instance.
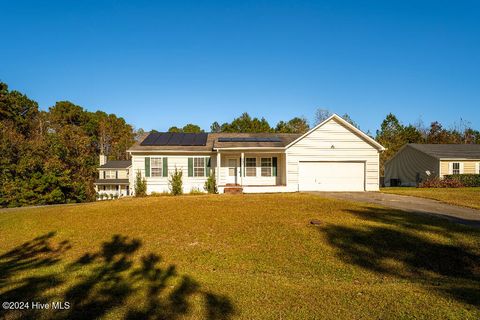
(165, 167)
(103, 174)
(461, 167)
(190, 167)
(477, 168)
(116, 174)
(274, 165)
(450, 168)
(147, 166)
(207, 166)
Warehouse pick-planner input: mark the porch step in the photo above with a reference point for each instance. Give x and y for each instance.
(233, 190)
(232, 185)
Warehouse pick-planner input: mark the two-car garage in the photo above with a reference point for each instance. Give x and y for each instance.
(331, 176)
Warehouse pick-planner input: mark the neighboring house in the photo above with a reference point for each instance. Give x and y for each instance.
(333, 156)
(416, 162)
(113, 177)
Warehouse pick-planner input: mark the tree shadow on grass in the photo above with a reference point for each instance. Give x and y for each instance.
(394, 243)
(32, 255)
(107, 279)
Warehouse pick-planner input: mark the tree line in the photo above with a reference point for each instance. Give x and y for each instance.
(49, 157)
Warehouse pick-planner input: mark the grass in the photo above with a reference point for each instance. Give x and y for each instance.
(466, 197)
(247, 256)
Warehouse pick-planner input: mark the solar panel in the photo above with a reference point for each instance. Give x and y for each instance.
(175, 139)
(200, 139)
(162, 139)
(188, 139)
(249, 139)
(149, 139)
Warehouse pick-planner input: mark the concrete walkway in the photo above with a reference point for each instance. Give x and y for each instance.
(458, 214)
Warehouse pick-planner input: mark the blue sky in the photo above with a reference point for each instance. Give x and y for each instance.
(159, 64)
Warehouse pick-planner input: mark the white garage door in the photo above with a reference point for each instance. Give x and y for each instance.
(332, 176)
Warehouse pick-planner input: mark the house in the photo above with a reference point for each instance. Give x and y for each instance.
(333, 156)
(416, 162)
(113, 177)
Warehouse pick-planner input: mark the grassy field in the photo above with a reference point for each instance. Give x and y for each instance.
(467, 197)
(247, 256)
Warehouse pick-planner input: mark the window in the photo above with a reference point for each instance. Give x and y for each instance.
(110, 174)
(456, 168)
(199, 167)
(156, 167)
(250, 167)
(266, 164)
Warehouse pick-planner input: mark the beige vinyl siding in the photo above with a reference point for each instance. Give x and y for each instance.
(179, 161)
(409, 163)
(469, 166)
(347, 146)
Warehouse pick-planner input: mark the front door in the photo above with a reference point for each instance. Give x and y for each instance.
(232, 170)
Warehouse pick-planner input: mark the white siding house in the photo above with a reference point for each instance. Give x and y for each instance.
(333, 156)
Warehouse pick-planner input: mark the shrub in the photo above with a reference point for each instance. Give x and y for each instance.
(115, 196)
(102, 195)
(440, 183)
(110, 196)
(196, 190)
(140, 185)
(467, 180)
(159, 194)
(175, 182)
(211, 184)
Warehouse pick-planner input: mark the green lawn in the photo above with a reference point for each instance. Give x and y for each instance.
(246, 256)
(467, 197)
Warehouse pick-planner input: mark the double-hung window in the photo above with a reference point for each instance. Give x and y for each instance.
(456, 168)
(250, 167)
(199, 167)
(110, 174)
(266, 167)
(156, 167)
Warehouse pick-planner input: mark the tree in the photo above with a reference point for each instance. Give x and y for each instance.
(188, 128)
(52, 156)
(437, 134)
(192, 128)
(347, 118)
(321, 115)
(138, 134)
(393, 135)
(17, 108)
(215, 127)
(140, 185)
(245, 123)
(175, 182)
(211, 184)
(295, 125)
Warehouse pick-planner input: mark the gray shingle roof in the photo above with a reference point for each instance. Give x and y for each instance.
(117, 164)
(450, 151)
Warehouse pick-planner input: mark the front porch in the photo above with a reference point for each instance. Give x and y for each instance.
(252, 171)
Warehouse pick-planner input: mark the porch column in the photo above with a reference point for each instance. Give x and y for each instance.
(242, 161)
(218, 168)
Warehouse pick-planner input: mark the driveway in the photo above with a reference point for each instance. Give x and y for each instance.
(412, 204)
